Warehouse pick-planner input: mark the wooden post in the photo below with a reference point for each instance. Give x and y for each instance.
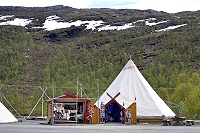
(132, 107)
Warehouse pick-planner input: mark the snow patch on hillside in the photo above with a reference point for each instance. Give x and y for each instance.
(5, 17)
(16, 21)
(123, 27)
(54, 22)
(170, 28)
(154, 23)
(150, 21)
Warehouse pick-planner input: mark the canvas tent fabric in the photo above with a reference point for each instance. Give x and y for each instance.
(129, 87)
(5, 115)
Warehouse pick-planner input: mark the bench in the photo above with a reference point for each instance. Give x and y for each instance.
(189, 122)
(166, 122)
(178, 121)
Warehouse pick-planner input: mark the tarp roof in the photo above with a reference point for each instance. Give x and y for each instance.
(5, 115)
(133, 87)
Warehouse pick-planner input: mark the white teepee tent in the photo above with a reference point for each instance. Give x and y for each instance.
(5, 115)
(129, 87)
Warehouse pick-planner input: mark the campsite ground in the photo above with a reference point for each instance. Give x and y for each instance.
(34, 127)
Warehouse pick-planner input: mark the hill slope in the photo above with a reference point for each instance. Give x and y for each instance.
(58, 45)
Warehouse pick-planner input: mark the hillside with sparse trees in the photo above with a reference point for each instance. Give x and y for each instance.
(31, 59)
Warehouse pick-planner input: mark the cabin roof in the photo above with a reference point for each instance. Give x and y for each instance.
(68, 97)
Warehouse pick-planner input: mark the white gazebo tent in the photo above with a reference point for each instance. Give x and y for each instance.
(129, 87)
(5, 115)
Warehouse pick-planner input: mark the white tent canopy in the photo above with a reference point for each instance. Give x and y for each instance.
(130, 86)
(5, 115)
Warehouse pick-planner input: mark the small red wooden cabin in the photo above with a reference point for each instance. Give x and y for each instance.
(68, 108)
